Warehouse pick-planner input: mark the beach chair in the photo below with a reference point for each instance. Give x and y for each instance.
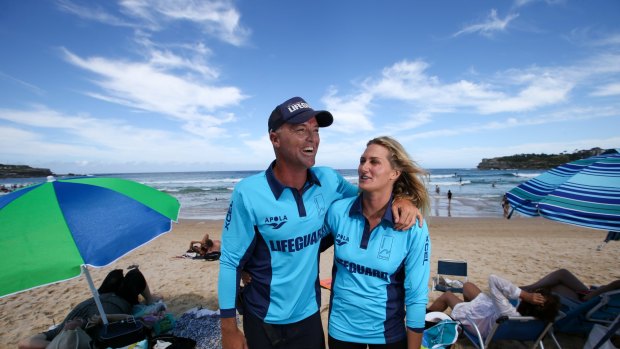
(451, 275)
(579, 317)
(519, 328)
(605, 336)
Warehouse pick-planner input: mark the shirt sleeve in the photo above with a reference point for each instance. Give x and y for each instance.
(345, 188)
(417, 272)
(502, 291)
(238, 238)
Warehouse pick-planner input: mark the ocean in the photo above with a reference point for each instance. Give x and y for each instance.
(206, 195)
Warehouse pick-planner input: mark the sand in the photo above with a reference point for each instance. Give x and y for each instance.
(520, 249)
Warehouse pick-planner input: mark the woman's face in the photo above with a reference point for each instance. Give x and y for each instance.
(375, 171)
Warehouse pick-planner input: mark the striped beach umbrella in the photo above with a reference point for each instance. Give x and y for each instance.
(583, 192)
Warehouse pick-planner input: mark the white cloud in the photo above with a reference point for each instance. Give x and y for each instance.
(607, 90)
(150, 87)
(491, 25)
(408, 88)
(40, 134)
(557, 117)
(351, 114)
(97, 14)
(35, 89)
(216, 17)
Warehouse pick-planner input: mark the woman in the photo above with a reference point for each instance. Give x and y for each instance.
(378, 271)
(483, 309)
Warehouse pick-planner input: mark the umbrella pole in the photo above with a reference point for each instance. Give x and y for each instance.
(104, 318)
(510, 214)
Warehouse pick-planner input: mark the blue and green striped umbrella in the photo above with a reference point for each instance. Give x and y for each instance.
(583, 192)
(50, 231)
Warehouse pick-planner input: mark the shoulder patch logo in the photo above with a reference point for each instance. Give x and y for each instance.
(276, 222)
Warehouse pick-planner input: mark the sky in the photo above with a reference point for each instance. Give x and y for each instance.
(187, 85)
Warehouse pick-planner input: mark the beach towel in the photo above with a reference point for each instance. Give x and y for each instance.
(201, 325)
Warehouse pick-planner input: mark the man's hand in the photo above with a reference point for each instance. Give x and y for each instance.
(232, 337)
(405, 214)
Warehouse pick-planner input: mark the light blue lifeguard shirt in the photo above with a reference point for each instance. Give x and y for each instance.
(377, 275)
(274, 232)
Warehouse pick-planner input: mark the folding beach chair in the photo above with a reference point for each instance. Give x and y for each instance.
(609, 331)
(520, 328)
(451, 274)
(579, 317)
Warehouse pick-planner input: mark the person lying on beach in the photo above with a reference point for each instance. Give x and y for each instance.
(205, 246)
(566, 284)
(120, 294)
(484, 309)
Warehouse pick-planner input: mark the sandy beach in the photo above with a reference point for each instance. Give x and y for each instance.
(520, 249)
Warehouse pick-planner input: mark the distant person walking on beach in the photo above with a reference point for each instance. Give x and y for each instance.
(449, 196)
(273, 231)
(437, 189)
(505, 206)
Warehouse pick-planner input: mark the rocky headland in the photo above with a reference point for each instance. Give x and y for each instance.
(535, 161)
(23, 171)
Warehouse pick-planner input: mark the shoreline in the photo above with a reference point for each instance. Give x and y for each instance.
(521, 250)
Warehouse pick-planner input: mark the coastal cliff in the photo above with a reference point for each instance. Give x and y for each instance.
(535, 161)
(23, 171)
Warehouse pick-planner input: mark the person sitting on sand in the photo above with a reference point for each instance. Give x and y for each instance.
(118, 295)
(483, 309)
(205, 246)
(566, 284)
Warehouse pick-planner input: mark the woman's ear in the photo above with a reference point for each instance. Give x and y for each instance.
(395, 174)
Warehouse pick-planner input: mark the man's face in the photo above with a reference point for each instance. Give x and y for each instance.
(297, 145)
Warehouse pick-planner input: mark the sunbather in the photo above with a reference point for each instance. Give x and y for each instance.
(205, 246)
(120, 295)
(483, 309)
(566, 284)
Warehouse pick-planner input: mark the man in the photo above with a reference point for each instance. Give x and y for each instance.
(273, 231)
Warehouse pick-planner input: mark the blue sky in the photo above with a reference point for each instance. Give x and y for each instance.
(180, 85)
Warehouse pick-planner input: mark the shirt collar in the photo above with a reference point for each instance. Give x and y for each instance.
(356, 209)
(277, 188)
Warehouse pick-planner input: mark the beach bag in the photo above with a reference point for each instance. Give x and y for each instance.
(121, 333)
(71, 339)
(441, 335)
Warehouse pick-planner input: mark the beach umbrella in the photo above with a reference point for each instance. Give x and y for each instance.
(51, 232)
(583, 192)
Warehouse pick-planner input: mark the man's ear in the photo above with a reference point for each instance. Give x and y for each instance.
(275, 139)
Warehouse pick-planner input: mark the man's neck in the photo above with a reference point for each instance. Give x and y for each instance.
(294, 177)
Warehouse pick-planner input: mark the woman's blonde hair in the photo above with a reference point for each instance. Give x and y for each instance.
(408, 185)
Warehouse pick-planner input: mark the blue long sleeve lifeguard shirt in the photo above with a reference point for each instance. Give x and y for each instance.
(377, 275)
(274, 233)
